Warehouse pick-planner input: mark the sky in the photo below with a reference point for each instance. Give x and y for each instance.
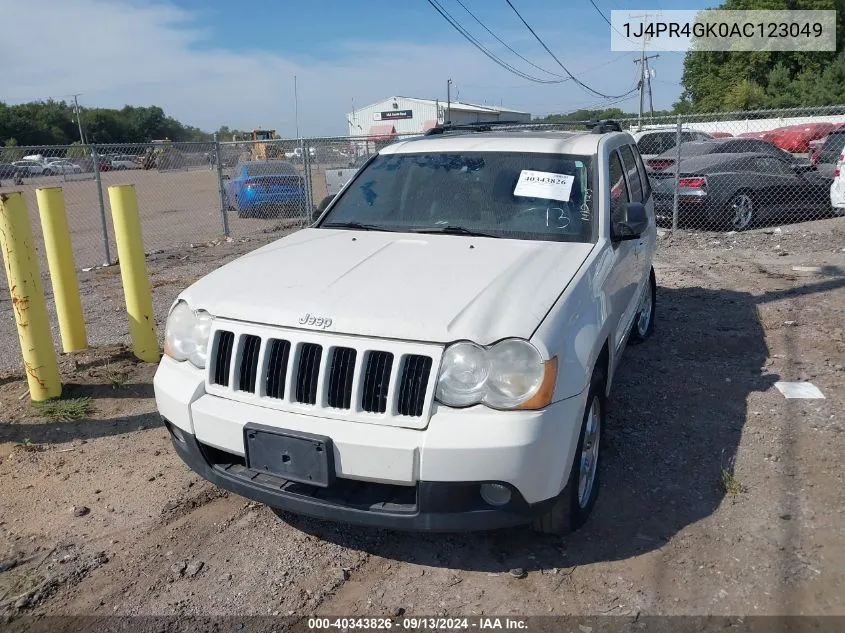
(209, 63)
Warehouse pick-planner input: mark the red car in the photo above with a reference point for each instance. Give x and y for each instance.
(796, 138)
(757, 135)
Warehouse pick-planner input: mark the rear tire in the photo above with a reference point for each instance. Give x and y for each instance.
(575, 502)
(643, 326)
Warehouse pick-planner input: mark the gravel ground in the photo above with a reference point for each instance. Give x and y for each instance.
(719, 496)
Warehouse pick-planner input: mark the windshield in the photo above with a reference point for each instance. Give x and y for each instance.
(502, 194)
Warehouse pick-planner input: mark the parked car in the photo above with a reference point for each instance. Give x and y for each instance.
(796, 138)
(337, 178)
(435, 353)
(656, 141)
(62, 166)
(32, 168)
(758, 135)
(267, 188)
(124, 161)
(719, 146)
(826, 157)
(837, 187)
(721, 135)
(736, 191)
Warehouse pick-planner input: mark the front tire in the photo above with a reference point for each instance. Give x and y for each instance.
(576, 500)
(643, 326)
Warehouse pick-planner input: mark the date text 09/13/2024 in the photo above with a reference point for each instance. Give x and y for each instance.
(418, 623)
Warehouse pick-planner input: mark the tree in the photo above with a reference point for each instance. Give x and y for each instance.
(53, 123)
(727, 80)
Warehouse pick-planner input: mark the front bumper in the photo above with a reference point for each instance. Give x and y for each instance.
(426, 506)
(386, 476)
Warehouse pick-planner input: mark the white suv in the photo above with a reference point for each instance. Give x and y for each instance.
(435, 351)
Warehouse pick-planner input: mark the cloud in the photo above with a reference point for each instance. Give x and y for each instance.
(118, 52)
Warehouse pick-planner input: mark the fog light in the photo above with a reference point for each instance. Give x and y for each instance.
(495, 494)
(175, 432)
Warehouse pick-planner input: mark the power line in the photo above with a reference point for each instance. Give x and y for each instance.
(606, 19)
(506, 45)
(472, 40)
(560, 63)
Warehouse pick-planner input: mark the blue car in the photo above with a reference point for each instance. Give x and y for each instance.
(265, 189)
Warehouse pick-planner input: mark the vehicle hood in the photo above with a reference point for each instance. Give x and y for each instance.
(437, 288)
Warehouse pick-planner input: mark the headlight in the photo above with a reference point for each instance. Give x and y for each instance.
(508, 375)
(186, 334)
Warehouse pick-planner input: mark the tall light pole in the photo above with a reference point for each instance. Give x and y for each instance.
(296, 106)
(78, 119)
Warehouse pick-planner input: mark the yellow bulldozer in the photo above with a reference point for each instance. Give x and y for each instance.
(261, 149)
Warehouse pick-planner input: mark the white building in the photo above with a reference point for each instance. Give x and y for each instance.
(385, 120)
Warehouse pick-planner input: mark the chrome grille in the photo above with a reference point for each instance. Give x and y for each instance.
(334, 376)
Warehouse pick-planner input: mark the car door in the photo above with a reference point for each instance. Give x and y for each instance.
(622, 281)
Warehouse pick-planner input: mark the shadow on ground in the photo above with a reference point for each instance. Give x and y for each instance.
(676, 415)
(59, 431)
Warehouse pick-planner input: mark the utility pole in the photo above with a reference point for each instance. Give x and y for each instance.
(643, 62)
(78, 119)
(448, 101)
(645, 82)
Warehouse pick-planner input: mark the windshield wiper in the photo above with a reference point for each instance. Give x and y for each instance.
(358, 226)
(456, 230)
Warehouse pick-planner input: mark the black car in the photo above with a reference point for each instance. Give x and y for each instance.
(720, 146)
(735, 191)
(826, 158)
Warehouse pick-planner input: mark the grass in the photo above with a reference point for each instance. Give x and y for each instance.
(115, 376)
(62, 409)
(730, 484)
(28, 445)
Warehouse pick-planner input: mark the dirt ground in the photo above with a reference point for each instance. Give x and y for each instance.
(719, 496)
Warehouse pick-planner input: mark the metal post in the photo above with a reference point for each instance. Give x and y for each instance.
(224, 210)
(133, 272)
(30, 308)
(448, 101)
(675, 201)
(60, 262)
(309, 186)
(103, 224)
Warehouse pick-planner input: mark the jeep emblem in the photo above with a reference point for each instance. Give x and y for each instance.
(315, 321)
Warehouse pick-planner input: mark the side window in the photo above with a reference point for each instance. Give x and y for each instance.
(686, 137)
(655, 143)
(635, 186)
(618, 189)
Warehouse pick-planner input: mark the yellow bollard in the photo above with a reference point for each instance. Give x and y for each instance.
(28, 303)
(133, 272)
(51, 206)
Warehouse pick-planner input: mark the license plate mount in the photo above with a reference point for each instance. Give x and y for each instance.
(294, 455)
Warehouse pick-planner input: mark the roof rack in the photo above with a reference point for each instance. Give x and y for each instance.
(477, 126)
(604, 126)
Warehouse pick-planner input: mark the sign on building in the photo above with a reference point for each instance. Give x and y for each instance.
(392, 115)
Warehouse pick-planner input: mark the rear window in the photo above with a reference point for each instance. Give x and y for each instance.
(270, 168)
(834, 143)
(656, 142)
(512, 195)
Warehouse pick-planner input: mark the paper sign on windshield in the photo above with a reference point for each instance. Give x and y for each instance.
(544, 184)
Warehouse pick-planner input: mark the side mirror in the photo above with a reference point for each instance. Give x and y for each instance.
(634, 225)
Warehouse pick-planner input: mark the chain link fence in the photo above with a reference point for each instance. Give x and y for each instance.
(736, 171)
(713, 171)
